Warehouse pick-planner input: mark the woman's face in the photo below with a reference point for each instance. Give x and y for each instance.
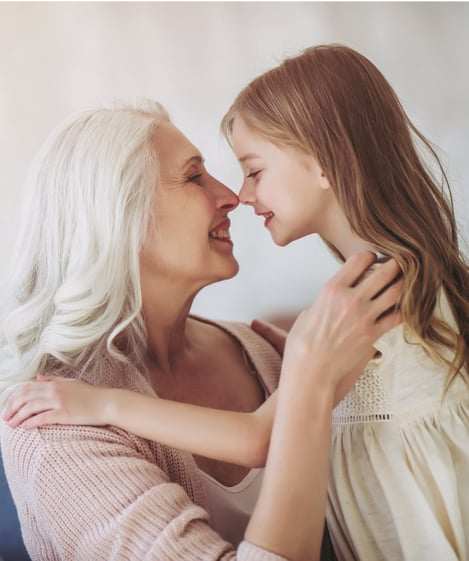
(189, 241)
(284, 186)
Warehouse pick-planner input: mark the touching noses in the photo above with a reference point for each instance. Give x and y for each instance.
(225, 198)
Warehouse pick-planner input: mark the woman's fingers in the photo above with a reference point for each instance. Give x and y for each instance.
(352, 311)
(379, 286)
(379, 278)
(355, 266)
(357, 272)
(387, 322)
(273, 334)
(388, 300)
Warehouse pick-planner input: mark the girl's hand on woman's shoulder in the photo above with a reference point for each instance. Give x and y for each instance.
(275, 335)
(56, 400)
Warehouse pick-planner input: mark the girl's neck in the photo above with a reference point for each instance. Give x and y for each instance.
(352, 244)
(339, 233)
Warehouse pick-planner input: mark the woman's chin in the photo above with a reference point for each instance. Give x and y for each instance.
(233, 270)
(229, 271)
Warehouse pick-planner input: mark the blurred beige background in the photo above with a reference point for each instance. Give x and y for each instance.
(194, 57)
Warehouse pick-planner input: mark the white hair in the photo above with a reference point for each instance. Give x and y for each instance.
(76, 282)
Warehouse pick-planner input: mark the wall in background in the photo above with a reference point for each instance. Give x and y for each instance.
(194, 57)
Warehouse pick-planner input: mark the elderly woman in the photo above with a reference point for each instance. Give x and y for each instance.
(124, 227)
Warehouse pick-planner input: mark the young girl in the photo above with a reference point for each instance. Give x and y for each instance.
(327, 148)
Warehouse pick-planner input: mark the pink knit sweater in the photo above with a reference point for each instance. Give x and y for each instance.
(100, 493)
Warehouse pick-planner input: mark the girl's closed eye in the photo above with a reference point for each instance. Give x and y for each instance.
(253, 174)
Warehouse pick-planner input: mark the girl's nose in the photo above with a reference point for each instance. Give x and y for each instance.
(247, 193)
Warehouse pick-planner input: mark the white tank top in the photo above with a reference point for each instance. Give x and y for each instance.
(231, 507)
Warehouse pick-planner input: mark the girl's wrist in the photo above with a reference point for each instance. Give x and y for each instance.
(112, 406)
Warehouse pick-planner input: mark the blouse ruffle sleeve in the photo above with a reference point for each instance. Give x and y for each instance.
(400, 460)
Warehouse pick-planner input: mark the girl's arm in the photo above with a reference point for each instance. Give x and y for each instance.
(240, 438)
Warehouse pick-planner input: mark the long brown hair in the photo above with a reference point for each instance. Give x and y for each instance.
(334, 104)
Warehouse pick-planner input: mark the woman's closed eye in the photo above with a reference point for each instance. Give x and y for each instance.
(195, 178)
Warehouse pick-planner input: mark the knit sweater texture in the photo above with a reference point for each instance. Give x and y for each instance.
(87, 493)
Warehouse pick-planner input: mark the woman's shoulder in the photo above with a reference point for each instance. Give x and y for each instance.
(263, 357)
(30, 456)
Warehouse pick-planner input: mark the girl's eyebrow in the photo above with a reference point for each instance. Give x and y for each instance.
(250, 156)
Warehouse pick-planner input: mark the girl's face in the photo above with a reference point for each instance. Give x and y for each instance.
(189, 243)
(284, 186)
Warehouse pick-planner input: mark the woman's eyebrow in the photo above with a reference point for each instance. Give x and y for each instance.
(197, 159)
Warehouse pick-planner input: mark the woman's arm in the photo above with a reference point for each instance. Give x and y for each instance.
(332, 337)
(328, 340)
(240, 438)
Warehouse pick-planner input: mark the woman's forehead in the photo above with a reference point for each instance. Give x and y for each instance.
(175, 151)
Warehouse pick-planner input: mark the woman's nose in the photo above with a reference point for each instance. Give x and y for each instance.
(247, 193)
(225, 197)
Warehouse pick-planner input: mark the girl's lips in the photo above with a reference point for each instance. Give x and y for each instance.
(268, 217)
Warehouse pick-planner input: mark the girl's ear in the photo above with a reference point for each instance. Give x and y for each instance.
(324, 182)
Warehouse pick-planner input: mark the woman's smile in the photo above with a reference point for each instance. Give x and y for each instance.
(221, 232)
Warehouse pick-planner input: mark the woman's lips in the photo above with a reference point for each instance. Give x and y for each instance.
(221, 232)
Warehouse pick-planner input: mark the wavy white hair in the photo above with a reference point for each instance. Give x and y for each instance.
(76, 283)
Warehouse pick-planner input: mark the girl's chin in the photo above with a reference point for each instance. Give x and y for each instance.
(280, 240)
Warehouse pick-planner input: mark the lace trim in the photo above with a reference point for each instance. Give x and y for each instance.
(367, 401)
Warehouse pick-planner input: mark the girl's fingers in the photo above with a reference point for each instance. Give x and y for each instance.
(15, 402)
(273, 334)
(45, 418)
(28, 410)
(28, 392)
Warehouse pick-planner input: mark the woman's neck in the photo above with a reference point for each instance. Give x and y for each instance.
(165, 313)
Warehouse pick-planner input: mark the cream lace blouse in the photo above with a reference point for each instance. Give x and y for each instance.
(399, 489)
